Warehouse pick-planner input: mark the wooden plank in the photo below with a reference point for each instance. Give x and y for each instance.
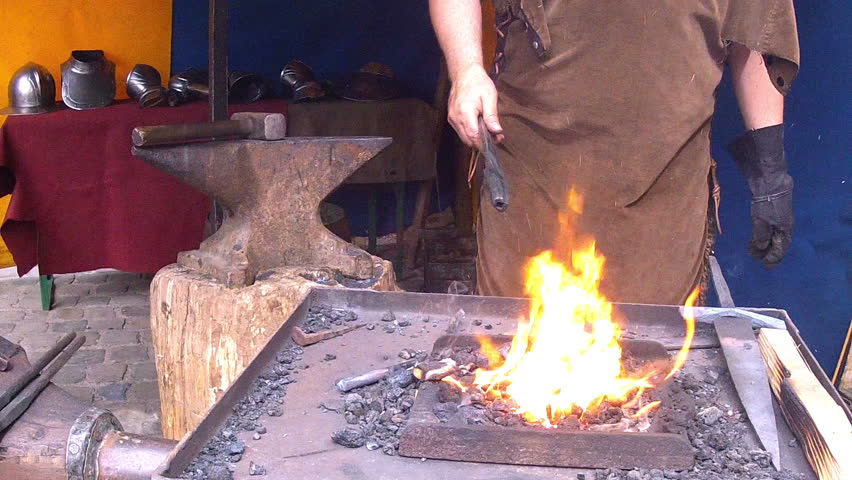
(843, 374)
(816, 419)
(205, 334)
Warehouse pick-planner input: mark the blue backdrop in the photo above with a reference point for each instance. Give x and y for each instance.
(814, 283)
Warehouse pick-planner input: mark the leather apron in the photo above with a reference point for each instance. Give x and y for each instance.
(615, 99)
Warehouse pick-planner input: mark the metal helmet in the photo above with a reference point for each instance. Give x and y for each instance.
(31, 91)
(372, 83)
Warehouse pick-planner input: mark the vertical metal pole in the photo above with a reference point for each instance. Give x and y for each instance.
(218, 59)
(217, 65)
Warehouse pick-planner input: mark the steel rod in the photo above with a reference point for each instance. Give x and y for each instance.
(218, 59)
(371, 377)
(22, 401)
(35, 368)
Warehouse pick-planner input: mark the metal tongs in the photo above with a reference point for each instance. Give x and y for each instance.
(494, 179)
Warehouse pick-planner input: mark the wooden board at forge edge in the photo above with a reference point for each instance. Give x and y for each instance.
(844, 367)
(205, 334)
(820, 424)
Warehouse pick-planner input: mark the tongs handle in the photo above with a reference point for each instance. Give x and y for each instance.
(494, 179)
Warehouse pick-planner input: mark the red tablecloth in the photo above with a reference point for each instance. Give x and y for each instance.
(81, 201)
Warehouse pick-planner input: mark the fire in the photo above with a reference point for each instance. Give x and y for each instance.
(566, 358)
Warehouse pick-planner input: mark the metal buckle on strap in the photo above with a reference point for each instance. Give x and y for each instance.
(769, 198)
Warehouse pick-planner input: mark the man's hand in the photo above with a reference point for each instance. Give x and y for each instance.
(458, 25)
(760, 156)
(473, 95)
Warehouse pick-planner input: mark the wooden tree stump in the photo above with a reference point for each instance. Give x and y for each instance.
(205, 334)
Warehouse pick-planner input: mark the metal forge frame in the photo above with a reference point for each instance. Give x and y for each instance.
(298, 443)
(426, 436)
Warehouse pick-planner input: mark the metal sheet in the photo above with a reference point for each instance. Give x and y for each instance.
(748, 372)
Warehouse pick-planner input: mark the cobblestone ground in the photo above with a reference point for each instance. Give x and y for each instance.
(115, 367)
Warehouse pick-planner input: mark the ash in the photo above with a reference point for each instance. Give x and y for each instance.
(376, 413)
(217, 461)
(324, 317)
(717, 433)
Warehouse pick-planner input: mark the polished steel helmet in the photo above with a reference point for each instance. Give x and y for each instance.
(31, 91)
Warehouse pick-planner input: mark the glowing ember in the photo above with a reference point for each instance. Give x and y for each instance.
(567, 358)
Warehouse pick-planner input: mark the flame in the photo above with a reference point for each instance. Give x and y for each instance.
(647, 409)
(689, 318)
(453, 381)
(566, 358)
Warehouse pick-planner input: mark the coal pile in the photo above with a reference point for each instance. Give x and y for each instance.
(324, 317)
(376, 414)
(218, 458)
(716, 431)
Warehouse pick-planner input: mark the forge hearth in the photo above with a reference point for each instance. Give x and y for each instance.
(440, 427)
(299, 444)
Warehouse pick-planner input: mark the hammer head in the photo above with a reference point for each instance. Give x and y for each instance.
(262, 126)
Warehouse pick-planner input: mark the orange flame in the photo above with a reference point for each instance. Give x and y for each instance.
(689, 319)
(646, 409)
(453, 381)
(567, 355)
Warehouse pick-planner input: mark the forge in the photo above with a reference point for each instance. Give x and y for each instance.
(288, 393)
(439, 428)
(284, 417)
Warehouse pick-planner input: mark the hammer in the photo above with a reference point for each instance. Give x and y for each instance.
(250, 125)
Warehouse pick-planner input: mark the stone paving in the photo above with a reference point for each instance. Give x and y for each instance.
(115, 367)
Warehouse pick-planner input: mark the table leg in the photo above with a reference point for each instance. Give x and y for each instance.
(372, 219)
(414, 233)
(46, 285)
(400, 227)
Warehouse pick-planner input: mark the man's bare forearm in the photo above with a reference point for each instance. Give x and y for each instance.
(760, 102)
(458, 25)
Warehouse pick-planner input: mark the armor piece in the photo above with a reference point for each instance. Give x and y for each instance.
(144, 85)
(245, 87)
(302, 81)
(32, 90)
(372, 83)
(88, 80)
(188, 85)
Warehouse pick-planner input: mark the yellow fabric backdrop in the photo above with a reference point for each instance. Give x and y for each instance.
(45, 32)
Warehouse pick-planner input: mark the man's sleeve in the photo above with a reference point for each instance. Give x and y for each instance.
(769, 28)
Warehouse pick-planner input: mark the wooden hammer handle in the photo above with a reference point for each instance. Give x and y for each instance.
(190, 132)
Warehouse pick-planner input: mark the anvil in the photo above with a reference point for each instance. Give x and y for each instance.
(271, 192)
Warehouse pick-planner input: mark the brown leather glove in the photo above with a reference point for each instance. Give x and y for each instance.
(760, 156)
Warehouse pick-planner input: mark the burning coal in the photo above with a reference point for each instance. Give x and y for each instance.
(565, 359)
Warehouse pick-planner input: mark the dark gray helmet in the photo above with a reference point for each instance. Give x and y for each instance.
(144, 85)
(31, 91)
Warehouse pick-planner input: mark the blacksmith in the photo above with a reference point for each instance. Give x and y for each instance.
(615, 99)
